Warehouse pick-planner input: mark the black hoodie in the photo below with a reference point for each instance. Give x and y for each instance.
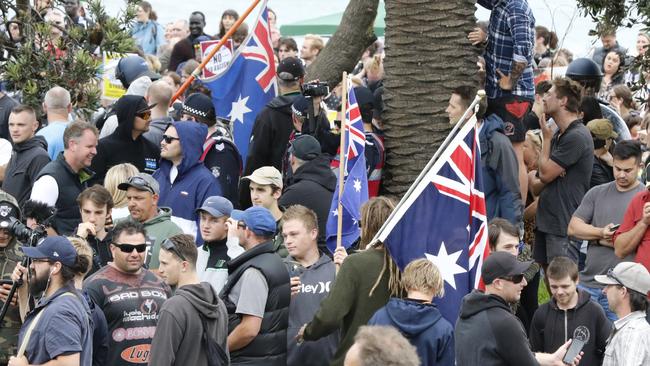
(26, 162)
(552, 327)
(312, 186)
(120, 147)
(487, 334)
(179, 331)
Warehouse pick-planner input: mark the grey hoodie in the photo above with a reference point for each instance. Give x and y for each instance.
(179, 332)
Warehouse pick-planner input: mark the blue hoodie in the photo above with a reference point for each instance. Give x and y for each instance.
(423, 325)
(194, 182)
(500, 172)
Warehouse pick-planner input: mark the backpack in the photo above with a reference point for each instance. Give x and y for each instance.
(214, 352)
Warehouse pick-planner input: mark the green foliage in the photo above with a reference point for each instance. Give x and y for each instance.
(42, 60)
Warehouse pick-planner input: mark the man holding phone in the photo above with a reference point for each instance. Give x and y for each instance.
(598, 215)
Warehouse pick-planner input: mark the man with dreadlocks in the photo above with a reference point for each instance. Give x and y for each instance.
(364, 283)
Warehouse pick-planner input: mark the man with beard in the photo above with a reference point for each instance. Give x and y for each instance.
(58, 328)
(130, 296)
(60, 182)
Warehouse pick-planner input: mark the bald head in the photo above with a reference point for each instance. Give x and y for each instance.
(160, 92)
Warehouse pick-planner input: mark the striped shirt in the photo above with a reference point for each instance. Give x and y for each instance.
(511, 37)
(629, 343)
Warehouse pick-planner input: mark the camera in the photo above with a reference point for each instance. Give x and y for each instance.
(21, 232)
(315, 89)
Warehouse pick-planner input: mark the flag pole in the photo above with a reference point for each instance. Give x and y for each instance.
(342, 161)
(209, 56)
(463, 119)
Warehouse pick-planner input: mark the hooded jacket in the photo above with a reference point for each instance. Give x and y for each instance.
(9, 257)
(194, 182)
(120, 147)
(423, 325)
(488, 334)
(108, 125)
(313, 186)
(551, 327)
(316, 281)
(500, 167)
(26, 162)
(179, 332)
(269, 140)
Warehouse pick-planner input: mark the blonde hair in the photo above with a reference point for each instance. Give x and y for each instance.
(535, 137)
(83, 250)
(422, 275)
(303, 214)
(374, 66)
(116, 175)
(316, 41)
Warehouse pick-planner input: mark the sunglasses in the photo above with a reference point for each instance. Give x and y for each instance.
(169, 246)
(144, 115)
(139, 181)
(514, 279)
(610, 274)
(128, 248)
(169, 139)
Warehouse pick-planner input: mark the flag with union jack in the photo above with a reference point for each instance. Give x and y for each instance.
(355, 186)
(444, 220)
(249, 82)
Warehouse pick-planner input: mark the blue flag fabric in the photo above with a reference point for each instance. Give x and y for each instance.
(241, 92)
(444, 220)
(355, 186)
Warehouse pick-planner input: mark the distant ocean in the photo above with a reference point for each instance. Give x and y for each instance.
(555, 14)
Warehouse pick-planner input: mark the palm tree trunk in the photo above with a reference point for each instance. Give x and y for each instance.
(427, 56)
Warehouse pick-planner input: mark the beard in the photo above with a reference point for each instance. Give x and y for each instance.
(38, 284)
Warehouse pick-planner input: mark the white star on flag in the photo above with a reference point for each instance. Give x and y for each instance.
(446, 263)
(238, 110)
(357, 185)
(335, 212)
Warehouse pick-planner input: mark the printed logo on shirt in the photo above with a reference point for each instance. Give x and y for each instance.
(129, 295)
(319, 288)
(150, 164)
(216, 171)
(137, 354)
(128, 334)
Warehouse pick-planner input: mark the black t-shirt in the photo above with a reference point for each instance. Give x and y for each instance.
(131, 304)
(573, 150)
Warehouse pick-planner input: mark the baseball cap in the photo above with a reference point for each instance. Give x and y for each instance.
(290, 69)
(266, 175)
(7, 212)
(216, 206)
(305, 147)
(55, 248)
(602, 129)
(634, 276)
(502, 264)
(142, 182)
(257, 219)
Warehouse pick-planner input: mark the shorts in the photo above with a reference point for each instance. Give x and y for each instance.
(549, 246)
(512, 109)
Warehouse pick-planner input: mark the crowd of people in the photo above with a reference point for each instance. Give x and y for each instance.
(151, 239)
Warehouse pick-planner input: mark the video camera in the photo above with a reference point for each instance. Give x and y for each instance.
(21, 232)
(315, 89)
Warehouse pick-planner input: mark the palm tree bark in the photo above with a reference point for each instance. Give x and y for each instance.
(427, 56)
(346, 46)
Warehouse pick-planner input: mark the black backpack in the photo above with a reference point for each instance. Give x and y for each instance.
(214, 352)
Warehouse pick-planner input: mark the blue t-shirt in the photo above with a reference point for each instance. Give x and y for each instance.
(53, 134)
(63, 329)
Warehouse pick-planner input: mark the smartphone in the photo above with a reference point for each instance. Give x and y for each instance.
(574, 349)
(615, 227)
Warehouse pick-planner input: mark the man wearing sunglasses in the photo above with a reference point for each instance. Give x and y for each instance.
(627, 287)
(185, 183)
(129, 295)
(257, 293)
(487, 333)
(195, 310)
(126, 144)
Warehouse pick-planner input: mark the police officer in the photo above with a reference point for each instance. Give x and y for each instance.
(9, 257)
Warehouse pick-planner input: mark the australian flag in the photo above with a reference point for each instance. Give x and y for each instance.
(355, 186)
(444, 220)
(241, 92)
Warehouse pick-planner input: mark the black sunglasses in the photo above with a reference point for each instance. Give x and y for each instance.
(610, 274)
(139, 181)
(514, 279)
(169, 246)
(169, 139)
(128, 248)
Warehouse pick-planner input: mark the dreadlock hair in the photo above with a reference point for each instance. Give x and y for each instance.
(373, 215)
